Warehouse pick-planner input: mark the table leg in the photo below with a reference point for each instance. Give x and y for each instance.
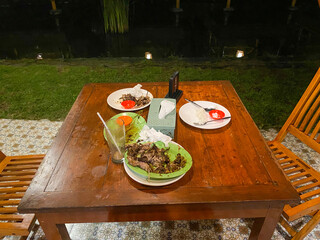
(263, 228)
(52, 230)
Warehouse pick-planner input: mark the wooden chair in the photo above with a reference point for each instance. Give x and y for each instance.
(16, 174)
(304, 124)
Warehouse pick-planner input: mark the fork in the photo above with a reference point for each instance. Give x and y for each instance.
(200, 124)
(206, 109)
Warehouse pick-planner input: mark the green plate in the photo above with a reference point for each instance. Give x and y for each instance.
(174, 149)
(132, 130)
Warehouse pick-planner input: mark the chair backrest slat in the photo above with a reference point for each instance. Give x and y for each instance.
(310, 117)
(313, 123)
(315, 131)
(306, 110)
(304, 121)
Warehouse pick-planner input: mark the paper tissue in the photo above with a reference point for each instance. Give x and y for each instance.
(166, 107)
(162, 115)
(151, 135)
(136, 91)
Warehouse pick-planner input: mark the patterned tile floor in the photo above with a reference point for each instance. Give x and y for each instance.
(19, 137)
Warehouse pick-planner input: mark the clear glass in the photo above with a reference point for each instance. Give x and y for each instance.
(116, 137)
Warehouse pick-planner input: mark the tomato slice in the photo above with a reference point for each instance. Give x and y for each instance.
(216, 114)
(124, 119)
(127, 104)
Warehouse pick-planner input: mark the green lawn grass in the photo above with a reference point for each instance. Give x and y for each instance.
(47, 89)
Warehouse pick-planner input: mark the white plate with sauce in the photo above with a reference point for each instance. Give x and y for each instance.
(115, 102)
(187, 114)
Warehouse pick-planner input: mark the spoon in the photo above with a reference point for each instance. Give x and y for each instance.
(206, 109)
(200, 124)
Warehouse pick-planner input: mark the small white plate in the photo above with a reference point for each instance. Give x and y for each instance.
(114, 99)
(150, 182)
(186, 113)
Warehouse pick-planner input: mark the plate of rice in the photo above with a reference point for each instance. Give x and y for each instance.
(190, 114)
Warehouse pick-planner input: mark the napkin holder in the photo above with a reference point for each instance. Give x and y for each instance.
(174, 91)
(166, 125)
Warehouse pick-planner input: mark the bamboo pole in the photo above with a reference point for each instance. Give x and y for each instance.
(178, 3)
(229, 3)
(53, 4)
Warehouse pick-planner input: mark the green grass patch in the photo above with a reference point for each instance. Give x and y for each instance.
(47, 89)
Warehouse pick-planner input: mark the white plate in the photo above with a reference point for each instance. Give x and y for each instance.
(186, 114)
(150, 182)
(114, 99)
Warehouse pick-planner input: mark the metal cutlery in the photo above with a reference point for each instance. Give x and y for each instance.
(201, 124)
(206, 109)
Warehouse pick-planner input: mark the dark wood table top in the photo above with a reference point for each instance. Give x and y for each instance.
(231, 165)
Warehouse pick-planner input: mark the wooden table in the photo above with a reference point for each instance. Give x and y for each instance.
(233, 174)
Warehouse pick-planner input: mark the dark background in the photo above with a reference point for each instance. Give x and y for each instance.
(261, 28)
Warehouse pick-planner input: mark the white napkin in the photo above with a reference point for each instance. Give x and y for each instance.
(166, 107)
(151, 135)
(136, 91)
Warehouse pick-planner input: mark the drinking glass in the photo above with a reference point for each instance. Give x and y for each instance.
(116, 136)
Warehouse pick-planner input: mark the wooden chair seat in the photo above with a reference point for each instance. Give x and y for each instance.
(304, 124)
(16, 173)
(303, 177)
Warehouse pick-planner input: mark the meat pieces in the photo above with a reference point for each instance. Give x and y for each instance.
(141, 101)
(153, 159)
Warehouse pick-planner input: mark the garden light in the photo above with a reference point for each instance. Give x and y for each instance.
(39, 56)
(148, 55)
(239, 54)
